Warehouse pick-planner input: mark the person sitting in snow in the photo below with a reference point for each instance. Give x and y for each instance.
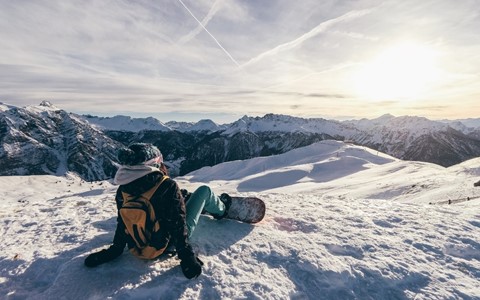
(142, 169)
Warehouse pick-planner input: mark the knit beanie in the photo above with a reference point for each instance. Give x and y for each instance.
(139, 153)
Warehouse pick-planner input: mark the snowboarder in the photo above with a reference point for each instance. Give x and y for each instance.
(142, 171)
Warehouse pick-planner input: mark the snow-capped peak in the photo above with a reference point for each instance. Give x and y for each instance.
(414, 126)
(288, 124)
(46, 103)
(205, 125)
(5, 107)
(126, 123)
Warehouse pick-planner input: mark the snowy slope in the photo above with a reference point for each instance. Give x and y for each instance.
(392, 130)
(4, 106)
(285, 123)
(472, 123)
(328, 167)
(43, 139)
(200, 126)
(126, 123)
(343, 222)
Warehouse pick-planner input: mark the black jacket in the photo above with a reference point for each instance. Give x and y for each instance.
(169, 208)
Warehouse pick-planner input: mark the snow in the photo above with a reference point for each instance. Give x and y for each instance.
(343, 222)
(44, 106)
(399, 126)
(4, 107)
(473, 123)
(205, 125)
(285, 123)
(125, 123)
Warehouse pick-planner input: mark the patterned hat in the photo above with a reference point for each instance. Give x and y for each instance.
(140, 153)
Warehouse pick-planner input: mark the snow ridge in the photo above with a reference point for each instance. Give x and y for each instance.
(289, 124)
(46, 140)
(125, 123)
(205, 125)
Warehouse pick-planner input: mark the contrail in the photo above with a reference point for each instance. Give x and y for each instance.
(218, 43)
(318, 29)
(211, 13)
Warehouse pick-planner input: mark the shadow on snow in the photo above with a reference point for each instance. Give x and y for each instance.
(65, 276)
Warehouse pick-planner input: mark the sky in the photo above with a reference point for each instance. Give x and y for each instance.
(188, 60)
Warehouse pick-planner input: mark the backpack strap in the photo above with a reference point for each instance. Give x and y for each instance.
(146, 195)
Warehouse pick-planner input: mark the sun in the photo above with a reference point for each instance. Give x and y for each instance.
(402, 72)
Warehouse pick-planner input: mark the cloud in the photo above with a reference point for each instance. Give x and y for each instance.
(429, 107)
(154, 57)
(322, 27)
(316, 95)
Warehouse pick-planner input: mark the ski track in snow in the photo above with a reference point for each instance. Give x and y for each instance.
(334, 241)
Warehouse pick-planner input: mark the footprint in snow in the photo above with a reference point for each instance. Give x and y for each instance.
(344, 250)
(288, 224)
(383, 223)
(390, 222)
(475, 223)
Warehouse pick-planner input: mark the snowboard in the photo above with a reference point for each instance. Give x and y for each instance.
(246, 209)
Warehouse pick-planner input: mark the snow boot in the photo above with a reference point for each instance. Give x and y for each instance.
(227, 201)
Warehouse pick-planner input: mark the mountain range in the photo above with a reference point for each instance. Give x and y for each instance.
(44, 139)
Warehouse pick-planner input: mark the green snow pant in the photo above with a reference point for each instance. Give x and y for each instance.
(202, 198)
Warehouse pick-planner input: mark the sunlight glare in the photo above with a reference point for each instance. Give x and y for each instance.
(402, 72)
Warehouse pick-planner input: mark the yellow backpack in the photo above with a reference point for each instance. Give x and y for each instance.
(140, 222)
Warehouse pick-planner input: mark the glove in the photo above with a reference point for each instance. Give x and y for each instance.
(190, 263)
(185, 194)
(103, 256)
(191, 266)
